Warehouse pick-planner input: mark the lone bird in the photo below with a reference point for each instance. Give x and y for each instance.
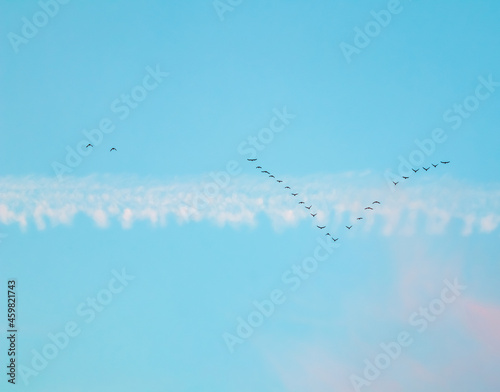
(444, 163)
(294, 194)
(89, 145)
(415, 170)
(376, 202)
(321, 227)
(112, 149)
(395, 183)
(349, 227)
(434, 164)
(335, 239)
(252, 160)
(309, 207)
(405, 177)
(313, 215)
(368, 208)
(425, 168)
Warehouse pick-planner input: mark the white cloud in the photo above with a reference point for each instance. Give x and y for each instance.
(489, 223)
(337, 200)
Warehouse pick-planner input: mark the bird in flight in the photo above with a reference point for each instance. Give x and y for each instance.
(415, 170)
(395, 183)
(309, 207)
(258, 167)
(112, 149)
(405, 177)
(265, 171)
(252, 160)
(321, 227)
(425, 168)
(89, 145)
(444, 163)
(368, 208)
(313, 215)
(328, 234)
(335, 239)
(271, 176)
(434, 164)
(301, 202)
(376, 202)
(287, 187)
(349, 227)
(294, 194)
(279, 180)
(359, 218)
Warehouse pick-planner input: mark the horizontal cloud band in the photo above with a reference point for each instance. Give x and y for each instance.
(337, 199)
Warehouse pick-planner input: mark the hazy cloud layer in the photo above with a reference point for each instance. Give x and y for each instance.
(337, 199)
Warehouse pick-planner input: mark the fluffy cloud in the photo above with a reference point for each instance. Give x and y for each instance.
(337, 200)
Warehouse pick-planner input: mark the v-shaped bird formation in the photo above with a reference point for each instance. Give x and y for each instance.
(368, 208)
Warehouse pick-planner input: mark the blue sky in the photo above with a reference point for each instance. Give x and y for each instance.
(177, 235)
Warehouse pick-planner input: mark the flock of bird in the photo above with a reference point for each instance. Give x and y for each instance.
(91, 145)
(368, 208)
(423, 167)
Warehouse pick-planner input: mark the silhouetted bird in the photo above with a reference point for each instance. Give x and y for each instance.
(287, 187)
(279, 180)
(349, 227)
(309, 207)
(405, 177)
(271, 176)
(376, 202)
(425, 168)
(395, 183)
(258, 167)
(368, 208)
(335, 239)
(89, 145)
(252, 160)
(359, 218)
(321, 227)
(265, 171)
(294, 194)
(112, 149)
(328, 234)
(445, 162)
(434, 164)
(415, 170)
(313, 215)
(301, 202)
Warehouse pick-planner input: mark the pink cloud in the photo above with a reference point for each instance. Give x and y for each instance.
(483, 322)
